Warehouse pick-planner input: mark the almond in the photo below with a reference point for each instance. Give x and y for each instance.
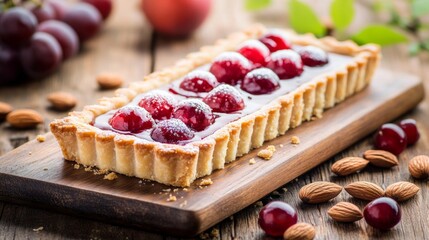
(345, 212)
(402, 191)
(24, 118)
(419, 166)
(381, 158)
(319, 192)
(348, 165)
(5, 109)
(109, 81)
(300, 231)
(364, 190)
(62, 101)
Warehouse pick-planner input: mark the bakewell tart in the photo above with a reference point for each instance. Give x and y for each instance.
(185, 121)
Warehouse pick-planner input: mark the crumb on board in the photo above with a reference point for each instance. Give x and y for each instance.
(259, 204)
(29, 153)
(111, 176)
(100, 171)
(252, 161)
(171, 198)
(206, 182)
(40, 138)
(184, 203)
(140, 181)
(185, 189)
(166, 190)
(38, 229)
(267, 153)
(231, 217)
(294, 140)
(284, 189)
(76, 166)
(204, 236)
(215, 233)
(281, 145)
(175, 190)
(45, 169)
(88, 169)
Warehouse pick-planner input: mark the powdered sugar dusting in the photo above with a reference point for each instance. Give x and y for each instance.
(197, 104)
(201, 75)
(253, 43)
(316, 53)
(286, 54)
(261, 73)
(233, 57)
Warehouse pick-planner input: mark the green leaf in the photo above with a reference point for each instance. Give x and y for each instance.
(342, 13)
(420, 7)
(379, 34)
(304, 20)
(253, 5)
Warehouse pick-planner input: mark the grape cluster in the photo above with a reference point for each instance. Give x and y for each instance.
(35, 39)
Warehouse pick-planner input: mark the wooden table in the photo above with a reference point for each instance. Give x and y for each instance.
(128, 47)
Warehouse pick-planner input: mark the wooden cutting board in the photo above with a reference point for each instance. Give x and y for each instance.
(36, 173)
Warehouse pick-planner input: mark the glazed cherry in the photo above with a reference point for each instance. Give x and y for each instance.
(199, 81)
(230, 67)
(131, 119)
(390, 138)
(225, 99)
(313, 56)
(276, 217)
(171, 131)
(382, 213)
(159, 104)
(255, 51)
(260, 81)
(194, 113)
(275, 41)
(286, 64)
(410, 128)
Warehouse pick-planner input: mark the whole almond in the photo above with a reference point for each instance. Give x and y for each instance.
(300, 231)
(109, 81)
(345, 212)
(62, 101)
(364, 190)
(319, 192)
(348, 165)
(5, 109)
(381, 158)
(419, 166)
(24, 118)
(402, 191)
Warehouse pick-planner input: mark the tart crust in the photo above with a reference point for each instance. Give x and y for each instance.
(179, 165)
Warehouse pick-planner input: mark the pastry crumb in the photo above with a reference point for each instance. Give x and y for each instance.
(100, 171)
(294, 140)
(29, 153)
(231, 217)
(45, 169)
(40, 138)
(214, 233)
(204, 236)
(284, 189)
(185, 189)
(259, 204)
(140, 181)
(281, 145)
(76, 166)
(38, 229)
(267, 153)
(252, 161)
(184, 203)
(206, 182)
(88, 169)
(166, 190)
(175, 190)
(111, 176)
(171, 198)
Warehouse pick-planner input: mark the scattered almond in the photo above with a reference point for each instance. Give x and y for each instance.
(319, 192)
(62, 101)
(267, 153)
(24, 118)
(402, 191)
(4, 110)
(381, 158)
(364, 190)
(419, 166)
(294, 140)
(345, 212)
(41, 138)
(348, 165)
(109, 81)
(300, 231)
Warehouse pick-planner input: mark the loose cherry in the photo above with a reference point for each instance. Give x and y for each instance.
(255, 51)
(131, 119)
(194, 113)
(382, 213)
(171, 131)
(225, 99)
(230, 67)
(199, 81)
(276, 217)
(410, 128)
(313, 56)
(275, 41)
(286, 64)
(390, 138)
(159, 104)
(260, 81)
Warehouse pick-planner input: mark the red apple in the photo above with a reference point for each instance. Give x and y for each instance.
(176, 18)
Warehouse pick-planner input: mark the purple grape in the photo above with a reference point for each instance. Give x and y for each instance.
(17, 25)
(84, 19)
(41, 56)
(64, 34)
(9, 64)
(44, 12)
(59, 6)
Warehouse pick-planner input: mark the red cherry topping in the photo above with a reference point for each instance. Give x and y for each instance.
(171, 131)
(410, 128)
(159, 104)
(199, 81)
(275, 41)
(131, 119)
(255, 51)
(382, 213)
(313, 56)
(224, 98)
(286, 64)
(194, 113)
(230, 67)
(276, 217)
(260, 81)
(391, 138)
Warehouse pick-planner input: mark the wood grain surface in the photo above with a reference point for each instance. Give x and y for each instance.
(128, 47)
